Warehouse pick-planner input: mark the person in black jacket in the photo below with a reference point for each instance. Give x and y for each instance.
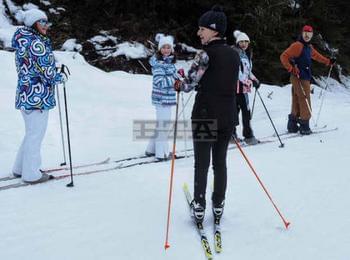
(214, 74)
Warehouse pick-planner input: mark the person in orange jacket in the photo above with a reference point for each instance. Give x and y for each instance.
(297, 60)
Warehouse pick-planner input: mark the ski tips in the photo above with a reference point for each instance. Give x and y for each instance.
(185, 186)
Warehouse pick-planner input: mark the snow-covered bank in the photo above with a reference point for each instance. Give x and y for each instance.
(122, 214)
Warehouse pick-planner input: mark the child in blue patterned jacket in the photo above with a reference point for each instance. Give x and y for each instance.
(163, 95)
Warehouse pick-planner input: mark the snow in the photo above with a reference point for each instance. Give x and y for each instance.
(122, 214)
(188, 48)
(61, 9)
(46, 3)
(53, 11)
(131, 50)
(30, 6)
(6, 28)
(71, 45)
(12, 7)
(99, 39)
(294, 4)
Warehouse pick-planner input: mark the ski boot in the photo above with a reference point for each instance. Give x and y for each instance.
(251, 140)
(304, 127)
(292, 125)
(218, 211)
(198, 211)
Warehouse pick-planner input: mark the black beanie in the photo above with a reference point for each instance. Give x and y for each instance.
(215, 19)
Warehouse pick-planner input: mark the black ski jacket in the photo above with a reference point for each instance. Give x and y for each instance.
(216, 91)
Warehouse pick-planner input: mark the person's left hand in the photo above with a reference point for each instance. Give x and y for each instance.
(256, 84)
(332, 61)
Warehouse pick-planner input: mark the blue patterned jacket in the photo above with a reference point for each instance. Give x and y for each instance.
(36, 70)
(164, 76)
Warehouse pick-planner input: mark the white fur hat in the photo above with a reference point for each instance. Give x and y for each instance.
(30, 17)
(240, 36)
(163, 40)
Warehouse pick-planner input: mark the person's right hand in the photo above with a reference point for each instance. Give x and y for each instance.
(64, 77)
(178, 85)
(295, 71)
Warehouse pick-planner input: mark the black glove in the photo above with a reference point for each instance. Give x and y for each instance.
(332, 61)
(256, 84)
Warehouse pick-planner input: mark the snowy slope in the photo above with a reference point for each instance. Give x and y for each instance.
(122, 214)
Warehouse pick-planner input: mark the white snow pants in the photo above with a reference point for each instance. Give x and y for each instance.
(28, 160)
(159, 143)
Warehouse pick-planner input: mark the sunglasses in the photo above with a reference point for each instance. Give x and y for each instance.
(44, 23)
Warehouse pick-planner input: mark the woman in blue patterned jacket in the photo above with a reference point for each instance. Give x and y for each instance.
(35, 94)
(163, 95)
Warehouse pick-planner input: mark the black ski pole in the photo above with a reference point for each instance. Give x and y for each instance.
(251, 114)
(61, 127)
(268, 114)
(71, 184)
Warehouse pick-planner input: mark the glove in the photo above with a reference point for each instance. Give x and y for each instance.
(178, 85)
(181, 72)
(256, 84)
(332, 61)
(63, 73)
(64, 77)
(295, 71)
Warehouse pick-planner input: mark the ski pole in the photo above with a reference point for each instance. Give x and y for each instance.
(323, 95)
(324, 89)
(303, 91)
(251, 115)
(71, 184)
(307, 101)
(181, 112)
(268, 114)
(61, 126)
(166, 245)
(285, 222)
(184, 122)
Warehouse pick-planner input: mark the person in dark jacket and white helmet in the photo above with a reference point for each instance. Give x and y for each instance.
(247, 80)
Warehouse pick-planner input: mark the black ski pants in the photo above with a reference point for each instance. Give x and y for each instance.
(203, 150)
(243, 105)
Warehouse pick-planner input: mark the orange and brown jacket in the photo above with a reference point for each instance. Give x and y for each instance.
(300, 53)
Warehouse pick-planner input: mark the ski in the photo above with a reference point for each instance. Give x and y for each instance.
(199, 226)
(51, 170)
(266, 140)
(77, 166)
(62, 176)
(106, 161)
(313, 130)
(217, 236)
(217, 232)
